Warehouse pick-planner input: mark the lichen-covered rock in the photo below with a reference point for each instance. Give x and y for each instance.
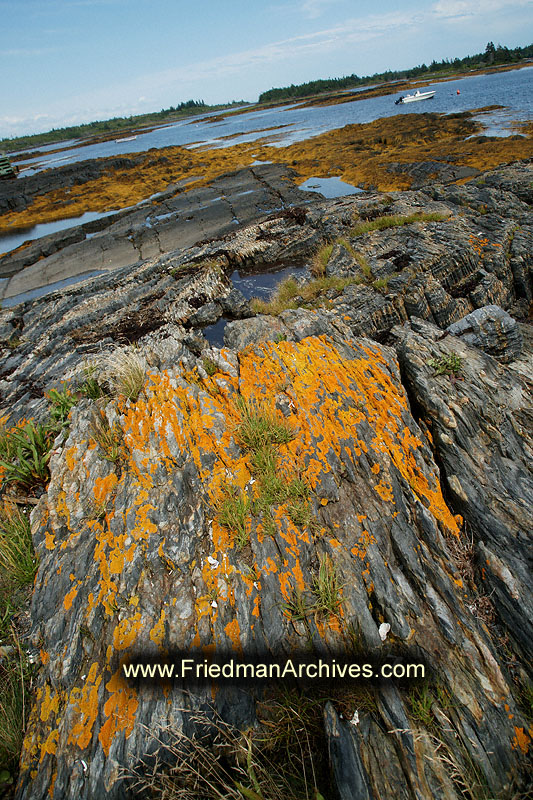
(163, 529)
(138, 558)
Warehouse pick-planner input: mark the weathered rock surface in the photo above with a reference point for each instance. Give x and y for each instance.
(491, 329)
(481, 425)
(138, 561)
(411, 480)
(176, 218)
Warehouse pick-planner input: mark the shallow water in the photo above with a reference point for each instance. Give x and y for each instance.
(511, 89)
(329, 187)
(256, 284)
(51, 287)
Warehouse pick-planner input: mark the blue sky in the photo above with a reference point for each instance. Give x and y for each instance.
(70, 61)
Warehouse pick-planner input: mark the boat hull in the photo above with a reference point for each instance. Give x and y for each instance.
(415, 98)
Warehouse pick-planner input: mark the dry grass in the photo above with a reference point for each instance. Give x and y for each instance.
(321, 259)
(124, 371)
(220, 762)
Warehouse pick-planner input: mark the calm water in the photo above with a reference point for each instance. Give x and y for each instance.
(511, 89)
(257, 284)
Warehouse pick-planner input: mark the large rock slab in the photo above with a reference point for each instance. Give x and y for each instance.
(480, 417)
(137, 559)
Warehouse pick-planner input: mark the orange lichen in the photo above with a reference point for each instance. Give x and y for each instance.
(103, 487)
(120, 710)
(157, 634)
(49, 746)
(84, 709)
(126, 632)
(521, 740)
(233, 632)
(69, 598)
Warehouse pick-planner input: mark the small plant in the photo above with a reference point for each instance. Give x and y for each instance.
(381, 284)
(421, 700)
(296, 608)
(280, 337)
(24, 454)
(209, 366)
(260, 426)
(233, 513)
(451, 365)
(109, 439)
(90, 387)
(17, 556)
(327, 587)
(125, 372)
(299, 512)
(60, 404)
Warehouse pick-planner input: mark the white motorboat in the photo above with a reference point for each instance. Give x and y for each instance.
(126, 139)
(413, 98)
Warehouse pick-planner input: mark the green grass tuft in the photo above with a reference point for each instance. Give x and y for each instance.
(395, 221)
(327, 588)
(233, 513)
(17, 556)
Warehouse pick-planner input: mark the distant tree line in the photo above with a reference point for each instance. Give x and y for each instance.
(493, 55)
(117, 124)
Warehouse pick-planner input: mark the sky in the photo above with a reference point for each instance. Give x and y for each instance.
(64, 62)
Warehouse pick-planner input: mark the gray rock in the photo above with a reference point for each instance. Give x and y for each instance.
(493, 330)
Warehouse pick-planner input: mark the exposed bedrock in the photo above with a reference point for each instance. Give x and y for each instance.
(138, 558)
(478, 253)
(480, 416)
(174, 219)
(400, 467)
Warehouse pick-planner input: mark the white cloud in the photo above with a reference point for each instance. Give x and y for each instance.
(27, 52)
(315, 8)
(459, 9)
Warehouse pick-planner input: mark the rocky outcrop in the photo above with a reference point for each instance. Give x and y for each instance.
(491, 329)
(345, 481)
(480, 416)
(138, 559)
(176, 218)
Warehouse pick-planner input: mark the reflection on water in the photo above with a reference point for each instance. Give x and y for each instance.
(256, 284)
(329, 187)
(510, 89)
(10, 241)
